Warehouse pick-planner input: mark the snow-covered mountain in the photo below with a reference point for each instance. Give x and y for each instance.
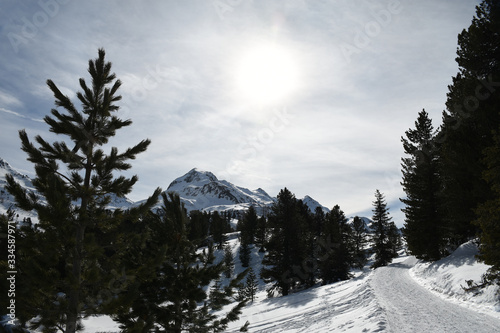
(202, 190)
(366, 220)
(7, 200)
(199, 190)
(313, 204)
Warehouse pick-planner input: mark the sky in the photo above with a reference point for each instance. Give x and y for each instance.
(309, 95)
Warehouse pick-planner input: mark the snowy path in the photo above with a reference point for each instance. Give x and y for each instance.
(410, 307)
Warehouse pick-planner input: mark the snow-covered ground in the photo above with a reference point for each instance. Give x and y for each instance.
(447, 276)
(411, 307)
(407, 296)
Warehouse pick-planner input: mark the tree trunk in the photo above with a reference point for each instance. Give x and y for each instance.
(74, 295)
(75, 289)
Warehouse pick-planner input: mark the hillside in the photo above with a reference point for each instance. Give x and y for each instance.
(7, 200)
(406, 296)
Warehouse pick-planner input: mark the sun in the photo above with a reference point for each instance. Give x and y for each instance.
(266, 74)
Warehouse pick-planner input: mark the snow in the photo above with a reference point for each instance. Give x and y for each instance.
(313, 204)
(198, 190)
(201, 190)
(342, 307)
(406, 296)
(447, 276)
(6, 200)
(411, 307)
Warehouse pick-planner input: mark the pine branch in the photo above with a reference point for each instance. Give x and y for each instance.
(61, 100)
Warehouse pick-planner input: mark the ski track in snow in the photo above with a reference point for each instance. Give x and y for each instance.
(409, 307)
(348, 306)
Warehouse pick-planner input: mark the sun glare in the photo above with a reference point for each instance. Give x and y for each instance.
(266, 74)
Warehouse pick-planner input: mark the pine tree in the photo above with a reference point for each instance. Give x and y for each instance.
(359, 234)
(309, 265)
(260, 233)
(394, 238)
(73, 215)
(248, 225)
(470, 119)
(216, 296)
(176, 299)
(481, 58)
(319, 221)
(489, 215)
(283, 263)
(219, 227)
(335, 257)
(228, 261)
(245, 254)
(423, 229)
(199, 225)
(248, 228)
(380, 227)
(251, 285)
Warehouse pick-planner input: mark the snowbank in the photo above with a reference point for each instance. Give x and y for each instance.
(447, 276)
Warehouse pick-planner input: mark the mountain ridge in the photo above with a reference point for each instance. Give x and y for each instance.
(198, 189)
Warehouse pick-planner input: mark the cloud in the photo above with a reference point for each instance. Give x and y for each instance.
(9, 100)
(177, 62)
(20, 115)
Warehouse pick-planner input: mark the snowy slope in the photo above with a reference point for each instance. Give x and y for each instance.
(411, 307)
(395, 299)
(313, 204)
(388, 299)
(201, 190)
(7, 200)
(447, 276)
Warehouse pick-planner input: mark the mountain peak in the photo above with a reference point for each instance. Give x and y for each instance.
(313, 204)
(201, 190)
(194, 177)
(196, 174)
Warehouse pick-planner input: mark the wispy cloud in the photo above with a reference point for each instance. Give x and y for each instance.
(17, 114)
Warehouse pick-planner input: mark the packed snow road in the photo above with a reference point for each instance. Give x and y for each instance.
(409, 307)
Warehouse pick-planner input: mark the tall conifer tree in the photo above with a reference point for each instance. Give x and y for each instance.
(251, 285)
(283, 263)
(248, 225)
(228, 261)
(382, 246)
(76, 178)
(423, 229)
(359, 240)
(470, 119)
(219, 226)
(483, 35)
(335, 258)
(260, 233)
(489, 215)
